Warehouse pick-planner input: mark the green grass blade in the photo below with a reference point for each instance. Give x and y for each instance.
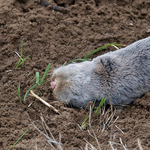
(19, 139)
(100, 105)
(30, 90)
(22, 61)
(37, 80)
(84, 120)
(98, 49)
(18, 87)
(85, 59)
(37, 77)
(46, 71)
(20, 53)
(91, 122)
(119, 45)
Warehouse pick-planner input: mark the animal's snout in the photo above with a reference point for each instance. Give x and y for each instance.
(53, 84)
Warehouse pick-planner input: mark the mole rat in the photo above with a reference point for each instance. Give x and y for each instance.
(120, 76)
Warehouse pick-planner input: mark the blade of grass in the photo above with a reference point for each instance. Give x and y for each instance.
(84, 120)
(18, 87)
(37, 77)
(100, 105)
(19, 139)
(98, 49)
(87, 59)
(46, 71)
(91, 122)
(30, 90)
(22, 62)
(118, 45)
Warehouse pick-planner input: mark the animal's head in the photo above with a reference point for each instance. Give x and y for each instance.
(69, 83)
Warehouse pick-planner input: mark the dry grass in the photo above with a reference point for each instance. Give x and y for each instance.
(53, 144)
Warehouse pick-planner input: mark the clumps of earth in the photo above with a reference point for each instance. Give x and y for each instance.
(56, 37)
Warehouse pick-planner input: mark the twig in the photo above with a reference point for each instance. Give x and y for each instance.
(115, 46)
(88, 143)
(44, 102)
(114, 143)
(36, 146)
(90, 117)
(122, 144)
(114, 121)
(80, 127)
(119, 129)
(111, 145)
(49, 139)
(81, 148)
(94, 138)
(58, 144)
(30, 104)
(139, 144)
(111, 118)
(47, 127)
(18, 55)
(108, 119)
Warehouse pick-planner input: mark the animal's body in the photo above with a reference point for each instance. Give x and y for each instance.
(120, 76)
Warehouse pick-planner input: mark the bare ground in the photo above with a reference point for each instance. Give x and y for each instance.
(55, 37)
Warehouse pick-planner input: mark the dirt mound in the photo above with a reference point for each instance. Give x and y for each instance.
(57, 37)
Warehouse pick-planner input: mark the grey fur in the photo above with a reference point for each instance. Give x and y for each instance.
(120, 76)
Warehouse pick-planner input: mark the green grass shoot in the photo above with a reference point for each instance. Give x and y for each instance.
(100, 105)
(46, 72)
(84, 121)
(96, 112)
(37, 80)
(20, 60)
(37, 77)
(19, 139)
(30, 90)
(85, 59)
(18, 87)
(98, 49)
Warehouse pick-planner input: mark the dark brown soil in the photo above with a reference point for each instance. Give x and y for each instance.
(57, 37)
